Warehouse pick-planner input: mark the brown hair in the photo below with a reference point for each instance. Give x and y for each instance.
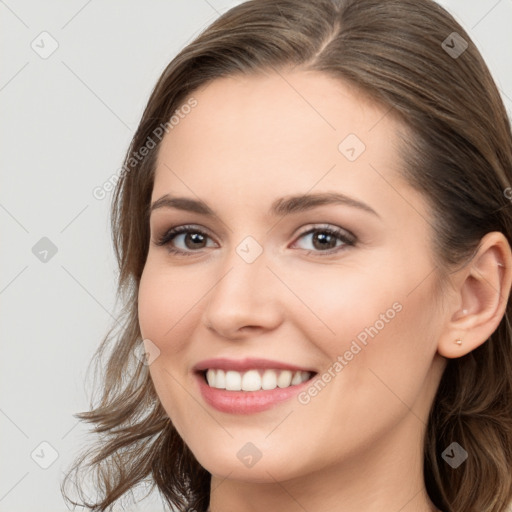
(399, 53)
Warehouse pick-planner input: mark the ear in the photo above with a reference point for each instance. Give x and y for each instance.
(482, 289)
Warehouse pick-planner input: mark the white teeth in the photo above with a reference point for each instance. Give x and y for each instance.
(254, 380)
(216, 378)
(220, 379)
(251, 381)
(233, 381)
(210, 378)
(297, 378)
(269, 380)
(284, 379)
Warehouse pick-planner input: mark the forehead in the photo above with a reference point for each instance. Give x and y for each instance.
(243, 113)
(250, 139)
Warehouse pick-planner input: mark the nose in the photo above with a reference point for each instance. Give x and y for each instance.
(245, 299)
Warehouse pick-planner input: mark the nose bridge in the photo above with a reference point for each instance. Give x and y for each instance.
(245, 294)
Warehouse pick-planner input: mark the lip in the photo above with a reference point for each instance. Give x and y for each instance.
(246, 402)
(249, 363)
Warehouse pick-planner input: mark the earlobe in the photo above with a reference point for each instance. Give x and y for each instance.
(483, 289)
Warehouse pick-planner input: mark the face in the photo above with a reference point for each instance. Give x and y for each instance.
(262, 285)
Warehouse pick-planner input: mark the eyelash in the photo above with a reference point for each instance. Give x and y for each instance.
(348, 239)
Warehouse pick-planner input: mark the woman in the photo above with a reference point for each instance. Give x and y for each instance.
(313, 234)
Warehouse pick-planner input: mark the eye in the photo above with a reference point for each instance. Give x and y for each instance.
(192, 238)
(326, 239)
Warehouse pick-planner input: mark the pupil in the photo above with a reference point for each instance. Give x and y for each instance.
(195, 237)
(323, 237)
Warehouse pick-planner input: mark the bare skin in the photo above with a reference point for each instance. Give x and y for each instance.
(355, 446)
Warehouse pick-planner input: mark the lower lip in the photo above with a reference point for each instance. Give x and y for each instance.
(246, 402)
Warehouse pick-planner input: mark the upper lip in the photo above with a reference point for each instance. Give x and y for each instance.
(248, 363)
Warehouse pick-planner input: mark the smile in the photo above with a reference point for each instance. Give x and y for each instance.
(255, 379)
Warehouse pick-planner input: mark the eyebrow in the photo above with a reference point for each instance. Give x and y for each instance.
(280, 207)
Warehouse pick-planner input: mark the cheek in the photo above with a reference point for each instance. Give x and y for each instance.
(167, 306)
(341, 304)
(166, 312)
(378, 361)
(369, 320)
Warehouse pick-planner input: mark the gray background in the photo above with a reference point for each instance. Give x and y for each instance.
(67, 120)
